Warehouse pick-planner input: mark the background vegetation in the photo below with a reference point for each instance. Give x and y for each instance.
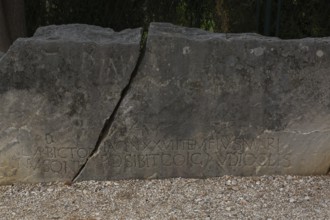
(298, 18)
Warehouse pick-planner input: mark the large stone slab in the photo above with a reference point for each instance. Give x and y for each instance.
(205, 104)
(57, 89)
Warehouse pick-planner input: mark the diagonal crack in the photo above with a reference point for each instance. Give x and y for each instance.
(108, 123)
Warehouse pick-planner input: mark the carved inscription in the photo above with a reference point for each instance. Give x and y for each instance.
(151, 160)
(264, 152)
(227, 151)
(50, 158)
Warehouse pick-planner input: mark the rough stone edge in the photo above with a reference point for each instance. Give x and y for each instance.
(87, 33)
(197, 34)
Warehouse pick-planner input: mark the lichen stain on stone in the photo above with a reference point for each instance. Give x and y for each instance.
(258, 51)
(319, 53)
(186, 50)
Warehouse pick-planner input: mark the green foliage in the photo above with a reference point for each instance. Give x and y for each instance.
(299, 18)
(118, 14)
(236, 16)
(305, 18)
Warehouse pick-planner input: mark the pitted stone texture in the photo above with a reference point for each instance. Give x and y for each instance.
(205, 104)
(57, 90)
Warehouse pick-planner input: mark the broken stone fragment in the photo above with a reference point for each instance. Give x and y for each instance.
(205, 104)
(57, 89)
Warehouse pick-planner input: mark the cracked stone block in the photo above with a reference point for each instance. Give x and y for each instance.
(205, 104)
(57, 89)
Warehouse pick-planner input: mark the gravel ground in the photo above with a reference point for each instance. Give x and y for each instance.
(266, 197)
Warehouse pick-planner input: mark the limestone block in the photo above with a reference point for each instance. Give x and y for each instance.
(57, 89)
(205, 104)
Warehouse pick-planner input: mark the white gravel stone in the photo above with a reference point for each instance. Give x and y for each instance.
(301, 198)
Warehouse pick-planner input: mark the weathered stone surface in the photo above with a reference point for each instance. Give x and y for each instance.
(205, 104)
(1, 54)
(57, 89)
